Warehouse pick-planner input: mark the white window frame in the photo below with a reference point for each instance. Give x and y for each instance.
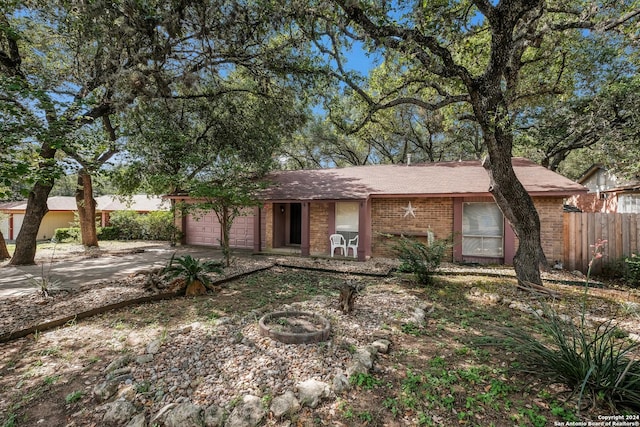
(479, 243)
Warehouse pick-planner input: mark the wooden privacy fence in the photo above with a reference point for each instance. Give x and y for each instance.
(581, 231)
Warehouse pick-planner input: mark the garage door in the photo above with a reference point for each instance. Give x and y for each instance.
(241, 235)
(203, 230)
(206, 231)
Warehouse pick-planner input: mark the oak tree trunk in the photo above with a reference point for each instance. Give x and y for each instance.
(86, 209)
(517, 206)
(25, 252)
(4, 252)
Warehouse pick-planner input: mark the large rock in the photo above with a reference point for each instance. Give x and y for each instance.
(137, 421)
(184, 415)
(418, 316)
(118, 413)
(311, 392)
(159, 417)
(103, 391)
(362, 360)
(381, 345)
(214, 416)
(286, 404)
(154, 346)
(248, 413)
(340, 383)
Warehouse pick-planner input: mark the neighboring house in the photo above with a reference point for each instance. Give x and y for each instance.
(62, 211)
(607, 193)
(140, 203)
(302, 208)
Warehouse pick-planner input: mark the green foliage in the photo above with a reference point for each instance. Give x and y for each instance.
(108, 233)
(632, 270)
(420, 259)
(365, 381)
(129, 225)
(613, 269)
(596, 363)
(74, 396)
(192, 269)
(411, 329)
(158, 225)
(71, 234)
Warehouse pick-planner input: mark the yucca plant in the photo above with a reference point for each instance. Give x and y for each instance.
(597, 363)
(193, 272)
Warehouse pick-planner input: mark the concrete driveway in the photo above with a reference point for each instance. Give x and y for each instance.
(79, 271)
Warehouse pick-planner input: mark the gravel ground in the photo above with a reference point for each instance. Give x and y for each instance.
(18, 313)
(247, 363)
(182, 369)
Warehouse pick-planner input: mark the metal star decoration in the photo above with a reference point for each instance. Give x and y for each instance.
(409, 210)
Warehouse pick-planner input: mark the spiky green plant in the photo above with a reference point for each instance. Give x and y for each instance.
(420, 259)
(597, 363)
(191, 269)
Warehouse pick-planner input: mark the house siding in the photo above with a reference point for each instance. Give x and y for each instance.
(388, 220)
(51, 221)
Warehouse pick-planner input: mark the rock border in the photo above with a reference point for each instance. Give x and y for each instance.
(294, 337)
(117, 394)
(20, 333)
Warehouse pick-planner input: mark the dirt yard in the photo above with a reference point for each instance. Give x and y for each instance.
(441, 368)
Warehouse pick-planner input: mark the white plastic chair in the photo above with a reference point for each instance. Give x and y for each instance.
(353, 244)
(338, 242)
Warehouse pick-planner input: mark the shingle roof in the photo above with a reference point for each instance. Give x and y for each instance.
(425, 180)
(139, 203)
(55, 203)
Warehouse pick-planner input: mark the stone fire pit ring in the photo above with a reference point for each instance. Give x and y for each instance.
(295, 327)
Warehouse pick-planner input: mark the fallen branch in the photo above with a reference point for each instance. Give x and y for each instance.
(537, 289)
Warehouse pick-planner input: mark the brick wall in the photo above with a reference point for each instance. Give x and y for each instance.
(319, 228)
(268, 229)
(550, 213)
(388, 218)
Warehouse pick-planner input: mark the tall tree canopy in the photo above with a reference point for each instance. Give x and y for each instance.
(483, 59)
(64, 65)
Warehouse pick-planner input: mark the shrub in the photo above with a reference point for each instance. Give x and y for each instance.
(632, 270)
(193, 271)
(108, 233)
(600, 363)
(596, 364)
(613, 269)
(128, 223)
(158, 226)
(420, 259)
(71, 234)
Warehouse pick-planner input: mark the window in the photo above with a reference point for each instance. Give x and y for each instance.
(347, 215)
(629, 203)
(482, 230)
